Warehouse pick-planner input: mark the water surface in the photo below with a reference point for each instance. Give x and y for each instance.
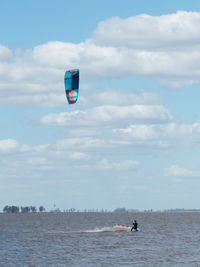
(100, 239)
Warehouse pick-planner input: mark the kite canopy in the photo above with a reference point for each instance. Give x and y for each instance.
(72, 85)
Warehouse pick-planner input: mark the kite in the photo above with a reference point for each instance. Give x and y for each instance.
(72, 85)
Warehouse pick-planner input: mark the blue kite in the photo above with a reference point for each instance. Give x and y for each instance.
(72, 85)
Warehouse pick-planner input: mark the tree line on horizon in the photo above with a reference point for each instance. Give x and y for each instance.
(26, 209)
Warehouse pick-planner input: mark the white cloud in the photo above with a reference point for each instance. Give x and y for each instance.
(41, 148)
(78, 155)
(178, 171)
(5, 54)
(57, 55)
(162, 135)
(36, 161)
(107, 165)
(8, 146)
(80, 142)
(110, 115)
(145, 32)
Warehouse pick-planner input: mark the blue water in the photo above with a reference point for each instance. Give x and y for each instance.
(100, 239)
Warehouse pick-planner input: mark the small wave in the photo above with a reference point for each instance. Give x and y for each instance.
(115, 228)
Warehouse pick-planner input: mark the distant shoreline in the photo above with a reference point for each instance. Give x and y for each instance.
(127, 211)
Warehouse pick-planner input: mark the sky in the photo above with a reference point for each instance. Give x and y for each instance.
(132, 139)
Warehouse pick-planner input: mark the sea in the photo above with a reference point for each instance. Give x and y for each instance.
(85, 239)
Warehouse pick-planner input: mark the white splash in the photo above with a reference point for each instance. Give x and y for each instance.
(115, 228)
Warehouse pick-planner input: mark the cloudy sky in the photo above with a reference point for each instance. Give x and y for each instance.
(133, 138)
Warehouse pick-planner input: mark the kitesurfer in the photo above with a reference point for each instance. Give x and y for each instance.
(135, 226)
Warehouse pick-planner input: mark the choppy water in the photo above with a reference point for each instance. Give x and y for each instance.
(99, 239)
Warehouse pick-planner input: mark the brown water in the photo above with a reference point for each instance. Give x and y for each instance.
(93, 239)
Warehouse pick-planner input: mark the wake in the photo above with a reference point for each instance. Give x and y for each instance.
(115, 228)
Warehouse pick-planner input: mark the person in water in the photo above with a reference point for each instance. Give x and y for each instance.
(135, 226)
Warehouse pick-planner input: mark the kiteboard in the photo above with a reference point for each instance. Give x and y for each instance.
(136, 230)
